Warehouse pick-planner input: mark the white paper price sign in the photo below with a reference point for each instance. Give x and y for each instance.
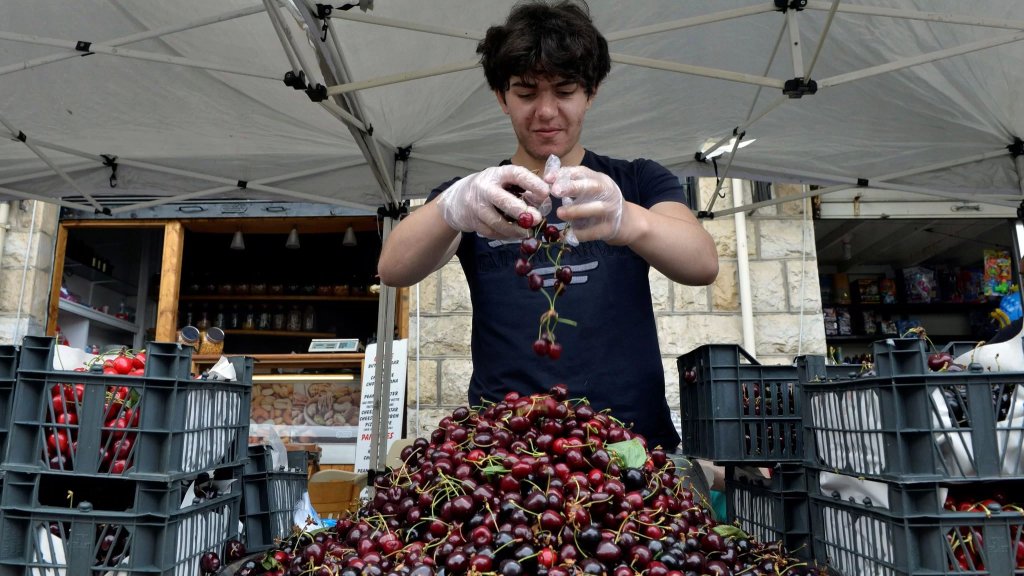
(396, 401)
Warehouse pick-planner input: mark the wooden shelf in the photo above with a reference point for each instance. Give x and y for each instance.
(319, 360)
(280, 333)
(276, 298)
(95, 316)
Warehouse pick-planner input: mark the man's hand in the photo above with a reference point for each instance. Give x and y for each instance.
(591, 202)
(482, 202)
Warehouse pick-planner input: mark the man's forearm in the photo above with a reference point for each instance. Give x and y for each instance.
(418, 245)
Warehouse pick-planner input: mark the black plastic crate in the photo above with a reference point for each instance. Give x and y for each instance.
(929, 427)
(26, 490)
(856, 537)
(268, 500)
(774, 509)
(84, 541)
(8, 371)
(160, 427)
(736, 410)
(900, 357)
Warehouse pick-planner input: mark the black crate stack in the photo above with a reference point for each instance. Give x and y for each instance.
(746, 416)
(270, 496)
(98, 466)
(909, 469)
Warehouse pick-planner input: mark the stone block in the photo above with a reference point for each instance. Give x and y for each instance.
(681, 333)
(809, 292)
(690, 298)
(429, 295)
(661, 290)
(795, 207)
(455, 375)
(725, 295)
(445, 335)
(767, 286)
(428, 387)
(786, 238)
(454, 289)
(780, 334)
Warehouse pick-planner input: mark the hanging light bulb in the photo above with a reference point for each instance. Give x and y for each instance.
(237, 241)
(350, 237)
(293, 239)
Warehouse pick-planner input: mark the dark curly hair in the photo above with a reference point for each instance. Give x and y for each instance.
(544, 39)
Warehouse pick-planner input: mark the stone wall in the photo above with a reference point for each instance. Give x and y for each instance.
(26, 266)
(784, 290)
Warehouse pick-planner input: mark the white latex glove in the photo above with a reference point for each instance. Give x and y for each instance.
(482, 203)
(591, 202)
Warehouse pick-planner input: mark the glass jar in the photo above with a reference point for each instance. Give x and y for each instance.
(309, 319)
(218, 317)
(249, 322)
(294, 321)
(264, 322)
(204, 319)
(279, 318)
(235, 320)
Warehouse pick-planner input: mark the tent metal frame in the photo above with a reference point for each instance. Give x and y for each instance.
(342, 99)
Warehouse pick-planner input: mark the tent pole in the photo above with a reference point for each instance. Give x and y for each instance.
(901, 63)
(42, 156)
(795, 47)
(133, 54)
(691, 22)
(352, 16)
(211, 178)
(289, 50)
(44, 173)
(313, 75)
(220, 189)
(402, 77)
(821, 40)
(385, 339)
(331, 53)
(48, 199)
(697, 70)
(148, 34)
(943, 17)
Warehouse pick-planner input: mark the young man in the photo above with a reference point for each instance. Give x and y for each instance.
(545, 65)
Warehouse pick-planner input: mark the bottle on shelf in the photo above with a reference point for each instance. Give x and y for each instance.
(235, 320)
(218, 317)
(204, 319)
(294, 320)
(263, 322)
(279, 318)
(188, 315)
(309, 319)
(249, 322)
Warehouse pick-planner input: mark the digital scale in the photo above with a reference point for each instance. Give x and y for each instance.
(335, 345)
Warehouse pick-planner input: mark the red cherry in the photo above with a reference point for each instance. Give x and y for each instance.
(555, 351)
(525, 220)
(564, 274)
(523, 267)
(541, 347)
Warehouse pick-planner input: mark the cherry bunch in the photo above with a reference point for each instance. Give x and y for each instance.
(536, 485)
(547, 241)
(967, 542)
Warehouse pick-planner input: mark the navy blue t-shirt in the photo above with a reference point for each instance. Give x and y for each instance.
(611, 357)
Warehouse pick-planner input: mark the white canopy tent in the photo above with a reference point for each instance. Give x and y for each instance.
(186, 100)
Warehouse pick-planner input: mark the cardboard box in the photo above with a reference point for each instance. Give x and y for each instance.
(335, 492)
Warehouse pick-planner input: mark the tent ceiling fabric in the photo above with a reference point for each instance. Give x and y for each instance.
(214, 128)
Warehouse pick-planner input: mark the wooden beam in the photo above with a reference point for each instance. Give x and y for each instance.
(170, 282)
(56, 279)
